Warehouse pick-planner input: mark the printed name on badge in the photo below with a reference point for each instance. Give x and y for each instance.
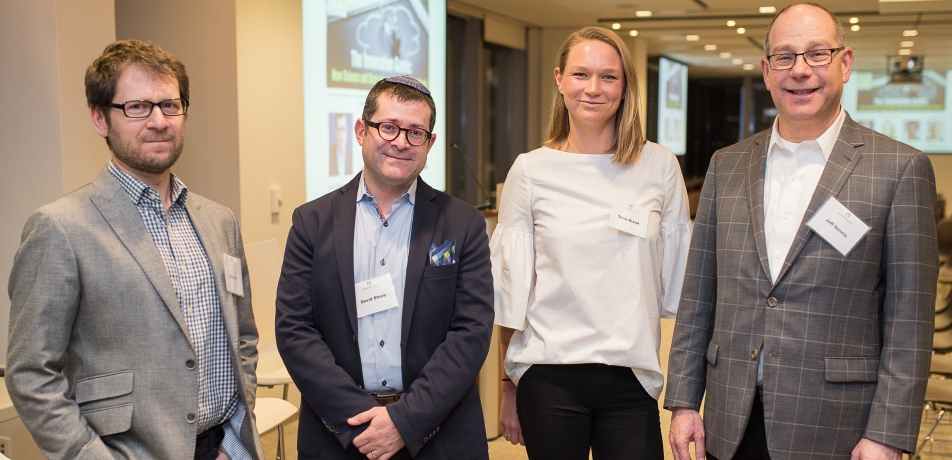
(838, 226)
(233, 282)
(628, 218)
(375, 295)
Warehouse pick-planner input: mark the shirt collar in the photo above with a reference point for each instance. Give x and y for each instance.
(826, 141)
(364, 193)
(138, 190)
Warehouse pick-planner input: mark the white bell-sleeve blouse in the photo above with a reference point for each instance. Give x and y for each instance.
(575, 289)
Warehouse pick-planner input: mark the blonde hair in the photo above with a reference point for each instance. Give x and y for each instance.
(629, 139)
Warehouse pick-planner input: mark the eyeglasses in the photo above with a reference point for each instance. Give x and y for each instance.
(813, 58)
(389, 131)
(142, 109)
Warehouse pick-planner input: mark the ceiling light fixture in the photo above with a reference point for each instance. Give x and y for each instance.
(692, 38)
(910, 33)
(748, 67)
(643, 14)
(710, 47)
(854, 20)
(741, 31)
(767, 10)
(737, 61)
(731, 23)
(725, 55)
(907, 44)
(616, 26)
(633, 33)
(854, 27)
(905, 52)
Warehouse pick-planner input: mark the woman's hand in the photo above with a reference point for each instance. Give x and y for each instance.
(508, 417)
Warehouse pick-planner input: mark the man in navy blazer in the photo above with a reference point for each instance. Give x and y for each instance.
(384, 306)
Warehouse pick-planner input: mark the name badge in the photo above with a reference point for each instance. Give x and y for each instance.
(628, 218)
(838, 226)
(375, 295)
(233, 281)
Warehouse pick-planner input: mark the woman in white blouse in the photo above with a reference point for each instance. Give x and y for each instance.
(588, 255)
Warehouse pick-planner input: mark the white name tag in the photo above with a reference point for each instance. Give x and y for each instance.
(838, 226)
(233, 281)
(628, 218)
(375, 295)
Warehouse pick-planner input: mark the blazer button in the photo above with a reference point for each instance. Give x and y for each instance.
(754, 354)
(771, 302)
(190, 364)
(190, 418)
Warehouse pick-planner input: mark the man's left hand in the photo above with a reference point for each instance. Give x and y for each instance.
(868, 449)
(381, 440)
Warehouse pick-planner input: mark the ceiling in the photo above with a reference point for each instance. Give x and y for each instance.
(881, 25)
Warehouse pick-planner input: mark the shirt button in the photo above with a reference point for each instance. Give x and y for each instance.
(190, 364)
(384, 383)
(386, 224)
(754, 354)
(383, 262)
(190, 310)
(190, 418)
(381, 343)
(182, 267)
(169, 228)
(786, 216)
(771, 302)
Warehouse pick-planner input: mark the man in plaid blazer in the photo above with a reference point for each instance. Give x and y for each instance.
(809, 344)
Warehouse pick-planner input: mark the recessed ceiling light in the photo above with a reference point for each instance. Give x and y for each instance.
(907, 44)
(633, 33)
(731, 23)
(741, 30)
(692, 38)
(737, 61)
(710, 47)
(616, 26)
(910, 33)
(643, 14)
(767, 10)
(854, 20)
(748, 67)
(905, 52)
(854, 27)
(725, 55)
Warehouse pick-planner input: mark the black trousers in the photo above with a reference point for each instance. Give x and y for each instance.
(753, 446)
(565, 409)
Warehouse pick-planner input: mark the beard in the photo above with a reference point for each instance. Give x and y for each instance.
(131, 155)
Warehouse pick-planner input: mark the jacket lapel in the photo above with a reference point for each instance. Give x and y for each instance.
(839, 166)
(425, 214)
(755, 196)
(122, 216)
(344, 215)
(214, 251)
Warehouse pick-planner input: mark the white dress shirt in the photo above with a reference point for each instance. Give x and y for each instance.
(576, 290)
(792, 173)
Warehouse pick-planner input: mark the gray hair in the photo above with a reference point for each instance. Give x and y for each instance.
(840, 33)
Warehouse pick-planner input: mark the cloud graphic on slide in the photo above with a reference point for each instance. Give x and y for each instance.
(390, 23)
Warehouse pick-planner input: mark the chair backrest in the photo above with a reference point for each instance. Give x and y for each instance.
(264, 267)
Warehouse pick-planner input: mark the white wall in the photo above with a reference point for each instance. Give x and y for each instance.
(44, 127)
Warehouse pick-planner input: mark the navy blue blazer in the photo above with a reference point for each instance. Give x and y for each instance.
(447, 326)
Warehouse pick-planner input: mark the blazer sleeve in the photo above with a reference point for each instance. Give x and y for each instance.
(326, 387)
(45, 291)
(910, 265)
(687, 366)
(452, 369)
(247, 329)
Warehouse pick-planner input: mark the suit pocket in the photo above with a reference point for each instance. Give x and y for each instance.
(103, 386)
(440, 271)
(712, 353)
(844, 370)
(109, 420)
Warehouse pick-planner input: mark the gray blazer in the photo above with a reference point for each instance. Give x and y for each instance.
(100, 362)
(846, 339)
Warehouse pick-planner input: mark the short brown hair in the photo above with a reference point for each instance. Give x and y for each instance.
(629, 138)
(840, 33)
(103, 74)
(401, 93)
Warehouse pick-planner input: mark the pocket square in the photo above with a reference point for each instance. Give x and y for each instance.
(444, 254)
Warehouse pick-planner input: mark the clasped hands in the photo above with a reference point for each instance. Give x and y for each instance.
(381, 440)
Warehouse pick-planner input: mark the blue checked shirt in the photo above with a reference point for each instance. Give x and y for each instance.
(194, 281)
(381, 246)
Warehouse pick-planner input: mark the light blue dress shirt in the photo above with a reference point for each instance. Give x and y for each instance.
(381, 246)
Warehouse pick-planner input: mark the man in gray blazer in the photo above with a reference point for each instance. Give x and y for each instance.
(807, 309)
(131, 329)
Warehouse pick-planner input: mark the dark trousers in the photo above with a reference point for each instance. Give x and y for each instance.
(753, 446)
(565, 409)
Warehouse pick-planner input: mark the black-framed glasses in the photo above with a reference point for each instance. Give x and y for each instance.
(813, 58)
(142, 109)
(389, 131)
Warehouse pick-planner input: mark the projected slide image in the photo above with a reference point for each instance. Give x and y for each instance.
(672, 107)
(341, 151)
(373, 40)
